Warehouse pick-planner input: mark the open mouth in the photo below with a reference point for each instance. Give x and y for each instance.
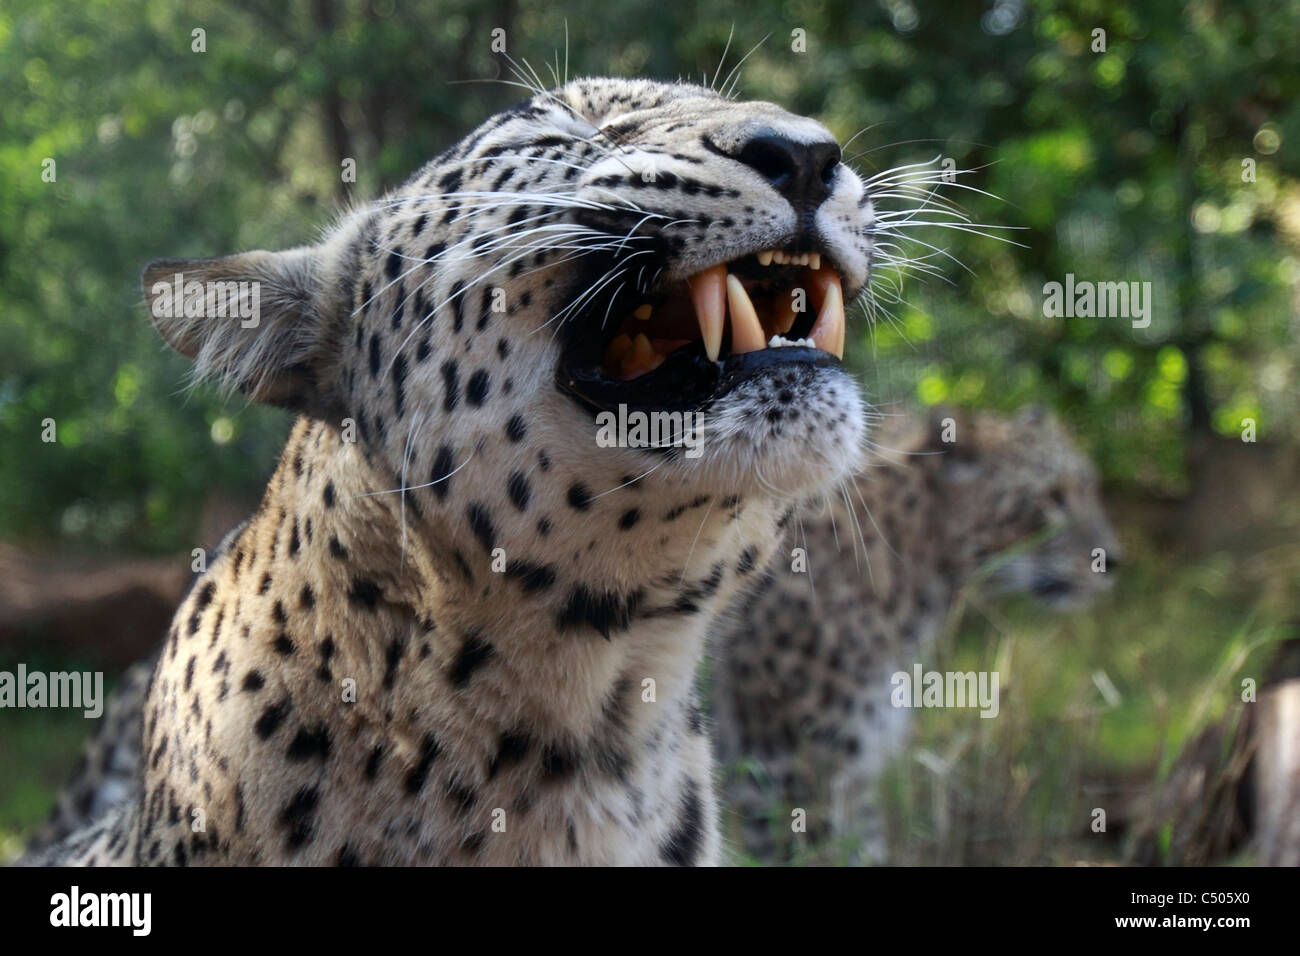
(693, 341)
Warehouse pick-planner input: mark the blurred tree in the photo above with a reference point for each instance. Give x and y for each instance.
(1122, 164)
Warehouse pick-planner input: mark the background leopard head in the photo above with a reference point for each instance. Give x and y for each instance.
(1027, 504)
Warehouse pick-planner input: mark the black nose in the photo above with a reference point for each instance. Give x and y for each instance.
(801, 172)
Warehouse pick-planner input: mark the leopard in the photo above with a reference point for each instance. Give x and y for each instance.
(462, 627)
(805, 665)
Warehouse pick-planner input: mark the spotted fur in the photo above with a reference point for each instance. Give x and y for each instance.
(363, 677)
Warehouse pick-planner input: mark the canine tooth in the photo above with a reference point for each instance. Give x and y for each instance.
(709, 296)
(828, 330)
(641, 347)
(644, 311)
(620, 346)
(765, 257)
(784, 314)
(815, 261)
(638, 360)
(746, 330)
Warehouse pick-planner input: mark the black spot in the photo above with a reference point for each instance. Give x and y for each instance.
(283, 645)
(684, 842)
(399, 384)
(306, 599)
(374, 355)
(480, 522)
(474, 653)
(392, 658)
(314, 742)
(476, 391)
(253, 681)
(534, 577)
(272, 717)
(451, 381)
(518, 489)
(516, 428)
(373, 761)
(348, 856)
(458, 306)
(364, 592)
(558, 764)
(440, 474)
(579, 496)
(429, 751)
(511, 748)
(746, 562)
(605, 611)
(629, 518)
(336, 548)
(297, 816)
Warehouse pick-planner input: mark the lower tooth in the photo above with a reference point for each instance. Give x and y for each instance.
(780, 341)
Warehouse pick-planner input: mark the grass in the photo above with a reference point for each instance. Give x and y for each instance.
(37, 750)
(1097, 708)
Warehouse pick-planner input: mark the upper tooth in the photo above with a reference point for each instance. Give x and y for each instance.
(815, 260)
(779, 256)
(765, 257)
(828, 331)
(709, 295)
(644, 311)
(784, 314)
(637, 361)
(746, 330)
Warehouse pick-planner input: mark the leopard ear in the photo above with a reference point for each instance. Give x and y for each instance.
(256, 322)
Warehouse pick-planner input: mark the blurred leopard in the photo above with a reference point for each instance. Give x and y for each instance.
(804, 662)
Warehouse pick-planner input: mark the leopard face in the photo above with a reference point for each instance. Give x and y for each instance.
(607, 247)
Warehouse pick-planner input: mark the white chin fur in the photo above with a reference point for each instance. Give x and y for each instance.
(788, 455)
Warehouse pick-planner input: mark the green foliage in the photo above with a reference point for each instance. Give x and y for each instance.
(1114, 166)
